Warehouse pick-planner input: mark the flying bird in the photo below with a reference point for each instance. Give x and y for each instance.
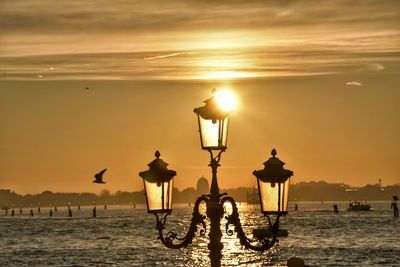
(99, 177)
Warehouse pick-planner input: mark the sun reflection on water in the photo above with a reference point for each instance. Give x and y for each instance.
(234, 253)
(123, 236)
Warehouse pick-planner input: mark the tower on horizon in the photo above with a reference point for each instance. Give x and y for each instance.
(203, 186)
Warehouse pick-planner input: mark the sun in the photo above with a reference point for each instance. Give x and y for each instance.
(226, 100)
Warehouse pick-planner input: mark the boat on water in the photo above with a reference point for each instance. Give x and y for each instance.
(358, 206)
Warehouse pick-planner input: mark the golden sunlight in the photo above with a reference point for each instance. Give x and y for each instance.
(227, 75)
(226, 100)
(224, 65)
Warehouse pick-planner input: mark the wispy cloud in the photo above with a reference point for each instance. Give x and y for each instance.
(130, 39)
(353, 84)
(205, 64)
(169, 55)
(376, 67)
(158, 15)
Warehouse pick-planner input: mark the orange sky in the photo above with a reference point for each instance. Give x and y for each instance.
(318, 83)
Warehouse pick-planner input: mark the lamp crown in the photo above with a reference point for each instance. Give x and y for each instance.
(273, 170)
(158, 170)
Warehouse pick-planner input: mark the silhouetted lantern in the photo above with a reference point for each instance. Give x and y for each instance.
(158, 184)
(213, 124)
(273, 186)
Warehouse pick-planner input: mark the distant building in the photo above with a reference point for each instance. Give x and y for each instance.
(202, 186)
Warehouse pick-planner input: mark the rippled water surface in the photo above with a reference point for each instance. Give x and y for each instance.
(125, 236)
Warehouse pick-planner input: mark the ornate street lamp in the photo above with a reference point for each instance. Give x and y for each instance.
(273, 187)
(213, 124)
(272, 183)
(158, 185)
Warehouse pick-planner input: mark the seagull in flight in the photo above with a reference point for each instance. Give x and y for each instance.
(99, 177)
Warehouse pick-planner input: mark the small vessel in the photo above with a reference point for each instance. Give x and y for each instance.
(358, 206)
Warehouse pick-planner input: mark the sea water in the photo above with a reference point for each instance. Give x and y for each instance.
(126, 236)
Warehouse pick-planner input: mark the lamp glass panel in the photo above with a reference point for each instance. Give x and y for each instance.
(159, 196)
(213, 134)
(209, 132)
(224, 131)
(269, 194)
(285, 189)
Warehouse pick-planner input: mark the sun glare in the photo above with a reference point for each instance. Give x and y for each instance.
(227, 75)
(226, 100)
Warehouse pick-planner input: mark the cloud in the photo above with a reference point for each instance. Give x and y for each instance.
(232, 63)
(47, 16)
(130, 39)
(354, 84)
(376, 67)
(169, 55)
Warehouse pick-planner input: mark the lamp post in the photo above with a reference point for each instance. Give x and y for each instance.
(272, 185)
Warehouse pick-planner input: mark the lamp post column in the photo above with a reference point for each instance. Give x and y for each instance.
(215, 212)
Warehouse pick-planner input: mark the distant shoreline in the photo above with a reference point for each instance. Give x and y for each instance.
(304, 191)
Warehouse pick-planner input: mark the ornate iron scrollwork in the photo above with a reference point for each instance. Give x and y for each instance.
(233, 219)
(171, 236)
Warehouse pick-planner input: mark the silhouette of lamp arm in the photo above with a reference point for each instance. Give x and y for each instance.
(170, 237)
(266, 242)
(273, 183)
